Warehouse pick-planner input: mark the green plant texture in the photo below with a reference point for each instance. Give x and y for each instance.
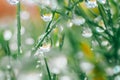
(70, 40)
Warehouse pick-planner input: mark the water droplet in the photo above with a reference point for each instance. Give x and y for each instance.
(7, 35)
(102, 1)
(97, 19)
(21, 50)
(77, 20)
(13, 2)
(104, 43)
(47, 17)
(86, 66)
(46, 14)
(24, 15)
(37, 66)
(116, 69)
(46, 45)
(29, 41)
(94, 43)
(45, 48)
(91, 4)
(98, 29)
(87, 33)
(38, 61)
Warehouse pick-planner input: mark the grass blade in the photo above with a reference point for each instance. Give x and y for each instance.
(45, 35)
(18, 28)
(48, 71)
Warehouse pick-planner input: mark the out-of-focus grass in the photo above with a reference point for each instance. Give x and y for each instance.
(78, 42)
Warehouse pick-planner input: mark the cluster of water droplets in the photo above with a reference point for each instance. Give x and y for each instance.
(40, 60)
(40, 53)
(114, 71)
(13, 2)
(100, 30)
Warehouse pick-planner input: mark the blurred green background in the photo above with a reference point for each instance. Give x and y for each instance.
(60, 40)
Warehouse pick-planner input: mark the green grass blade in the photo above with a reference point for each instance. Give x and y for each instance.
(44, 36)
(48, 71)
(103, 14)
(18, 28)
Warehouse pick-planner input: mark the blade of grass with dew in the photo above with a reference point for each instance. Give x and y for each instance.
(50, 22)
(102, 13)
(48, 71)
(10, 70)
(88, 20)
(91, 22)
(44, 36)
(18, 28)
(110, 21)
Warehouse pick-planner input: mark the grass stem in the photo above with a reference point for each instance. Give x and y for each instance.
(18, 28)
(48, 71)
